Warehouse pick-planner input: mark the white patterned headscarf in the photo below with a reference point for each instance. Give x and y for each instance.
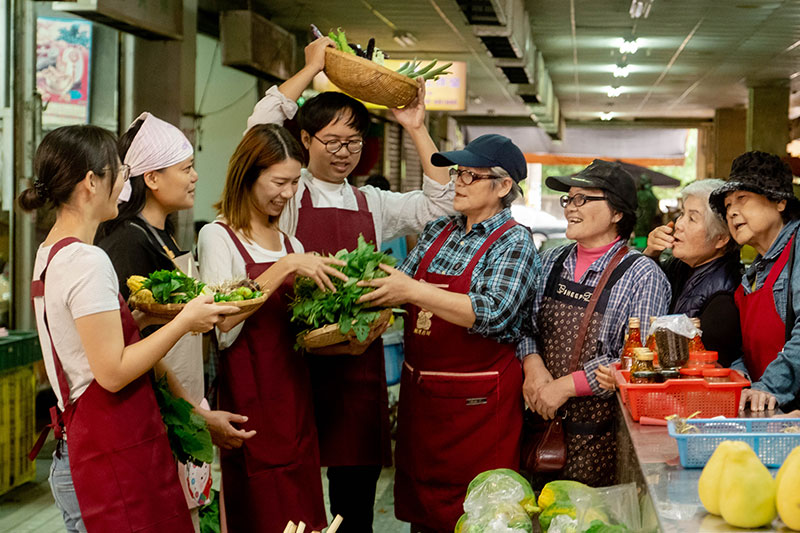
(157, 144)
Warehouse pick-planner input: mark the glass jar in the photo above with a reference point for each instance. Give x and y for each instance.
(643, 361)
(644, 376)
(669, 373)
(701, 359)
(691, 373)
(717, 375)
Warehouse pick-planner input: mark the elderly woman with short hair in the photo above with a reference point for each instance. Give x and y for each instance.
(473, 281)
(704, 268)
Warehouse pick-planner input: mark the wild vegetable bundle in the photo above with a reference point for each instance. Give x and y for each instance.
(165, 287)
(187, 431)
(413, 69)
(312, 308)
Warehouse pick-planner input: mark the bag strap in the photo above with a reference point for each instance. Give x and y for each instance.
(587, 316)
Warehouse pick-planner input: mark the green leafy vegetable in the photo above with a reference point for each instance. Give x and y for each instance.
(172, 287)
(598, 526)
(209, 515)
(187, 431)
(313, 308)
(340, 39)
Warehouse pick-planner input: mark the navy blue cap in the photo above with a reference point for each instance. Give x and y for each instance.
(487, 151)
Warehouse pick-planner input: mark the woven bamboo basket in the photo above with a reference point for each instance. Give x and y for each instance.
(368, 81)
(330, 334)
(169, 311)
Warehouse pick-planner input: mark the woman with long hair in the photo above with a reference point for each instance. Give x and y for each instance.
(123, 472)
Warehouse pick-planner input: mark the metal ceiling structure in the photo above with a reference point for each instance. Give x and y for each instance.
(693, 55)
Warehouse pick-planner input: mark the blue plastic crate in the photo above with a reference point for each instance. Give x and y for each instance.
(764, 435)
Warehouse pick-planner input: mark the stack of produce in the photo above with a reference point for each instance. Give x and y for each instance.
(314, 308)
(738, 487)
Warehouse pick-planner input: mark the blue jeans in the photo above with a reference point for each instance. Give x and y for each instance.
(64, 491)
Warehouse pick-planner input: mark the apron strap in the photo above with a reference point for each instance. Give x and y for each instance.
(287, 243)
(587, 316)
(557, 269)
(305, 200)
(434, 249)
(496, 234)
(248, 259)
(780, 263)
(149, 227)
(361, 199)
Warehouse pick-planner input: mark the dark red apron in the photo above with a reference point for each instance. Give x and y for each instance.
(274, 477)
(460, 410)
(763, 329)
(351, 402)
(122, 467)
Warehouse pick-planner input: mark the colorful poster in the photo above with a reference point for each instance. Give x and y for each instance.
(63, 53)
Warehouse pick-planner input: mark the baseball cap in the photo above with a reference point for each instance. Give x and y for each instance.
(486, 151)
(606, 175)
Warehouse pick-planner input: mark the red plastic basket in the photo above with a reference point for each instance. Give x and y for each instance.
(681, 396)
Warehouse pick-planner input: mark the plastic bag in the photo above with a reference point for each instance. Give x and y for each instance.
(612, 509)
(493, 507)
(672, 334)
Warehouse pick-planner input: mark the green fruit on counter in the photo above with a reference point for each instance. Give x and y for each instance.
(709, 483)
(747, 490)
(787, 496)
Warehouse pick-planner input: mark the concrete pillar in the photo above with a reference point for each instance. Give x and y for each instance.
(768, 118)
(730, 132)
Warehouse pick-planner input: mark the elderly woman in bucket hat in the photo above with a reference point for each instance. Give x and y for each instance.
(468, 284)
(762, 211)
(588, 289)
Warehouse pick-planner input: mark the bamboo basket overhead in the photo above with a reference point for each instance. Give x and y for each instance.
(368, 81)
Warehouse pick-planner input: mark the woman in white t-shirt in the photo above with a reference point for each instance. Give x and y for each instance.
(119, 458)
(275, 476)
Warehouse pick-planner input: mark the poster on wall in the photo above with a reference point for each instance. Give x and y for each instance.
(63, 52)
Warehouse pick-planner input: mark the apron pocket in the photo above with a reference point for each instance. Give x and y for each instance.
(451, 422)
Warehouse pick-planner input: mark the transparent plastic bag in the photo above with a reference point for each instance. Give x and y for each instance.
(493, 507)
(672, 334)
(613, 509)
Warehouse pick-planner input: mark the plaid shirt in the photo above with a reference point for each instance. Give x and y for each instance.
(643, 291)
(503, 281)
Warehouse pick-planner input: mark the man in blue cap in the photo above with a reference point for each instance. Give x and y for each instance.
(469, 287)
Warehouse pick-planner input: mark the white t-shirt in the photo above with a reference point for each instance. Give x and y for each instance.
(81, 281)
(220, 261)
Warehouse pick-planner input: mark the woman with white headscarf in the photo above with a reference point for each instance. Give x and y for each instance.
(140, 241)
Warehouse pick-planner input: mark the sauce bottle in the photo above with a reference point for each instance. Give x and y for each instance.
(634, 340)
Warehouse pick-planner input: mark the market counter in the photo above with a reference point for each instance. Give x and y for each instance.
(649, 457)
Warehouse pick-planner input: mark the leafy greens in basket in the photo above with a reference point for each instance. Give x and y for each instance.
(313, 308)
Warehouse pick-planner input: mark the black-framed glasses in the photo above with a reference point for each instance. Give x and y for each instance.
(467, 176)
(335, 145)
(579, 199)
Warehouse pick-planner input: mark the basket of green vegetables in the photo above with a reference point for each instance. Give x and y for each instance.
(329, 318)
(361, 74)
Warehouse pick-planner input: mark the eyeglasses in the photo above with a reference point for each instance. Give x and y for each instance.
(335, 145)
(124, 172)
(579, 199)
(467, 176)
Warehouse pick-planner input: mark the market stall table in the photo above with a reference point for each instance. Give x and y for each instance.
(648, 456)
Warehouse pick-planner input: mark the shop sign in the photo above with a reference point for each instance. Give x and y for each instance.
(63, 53)
(448, 93)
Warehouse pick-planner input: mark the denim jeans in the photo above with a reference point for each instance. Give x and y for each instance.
(64, 491)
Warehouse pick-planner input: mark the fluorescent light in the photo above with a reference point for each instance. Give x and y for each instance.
(629, 46)
(404, 38)
(640, 8)
(621, 71)
(613, 92)
(606, 116)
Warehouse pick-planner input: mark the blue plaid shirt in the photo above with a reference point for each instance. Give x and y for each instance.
(643, 291)
(503, 281)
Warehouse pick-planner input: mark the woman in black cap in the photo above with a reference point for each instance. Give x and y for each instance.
(762, 211)
(586, 293)
(473, 276)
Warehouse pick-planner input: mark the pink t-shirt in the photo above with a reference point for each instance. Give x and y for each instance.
(587, 256)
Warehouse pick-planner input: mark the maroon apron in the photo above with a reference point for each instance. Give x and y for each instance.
(460, 410)
(763, 329)
(122, 467)
(351, 402)
(274, 477)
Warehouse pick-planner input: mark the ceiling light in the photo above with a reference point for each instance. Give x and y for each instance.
(629, 46)
(606, 116)
(621, 71)
(640, 8)
(404, 38)
(613, 92)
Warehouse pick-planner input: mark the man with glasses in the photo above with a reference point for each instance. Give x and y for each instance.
(326, 215)
(468, 304)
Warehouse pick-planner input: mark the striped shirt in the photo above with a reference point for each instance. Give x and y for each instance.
(501, 290)
(643, 291)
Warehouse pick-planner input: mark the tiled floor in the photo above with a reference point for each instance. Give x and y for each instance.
(30, 508)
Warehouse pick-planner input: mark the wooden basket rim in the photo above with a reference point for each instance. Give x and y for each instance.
(366, 63)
